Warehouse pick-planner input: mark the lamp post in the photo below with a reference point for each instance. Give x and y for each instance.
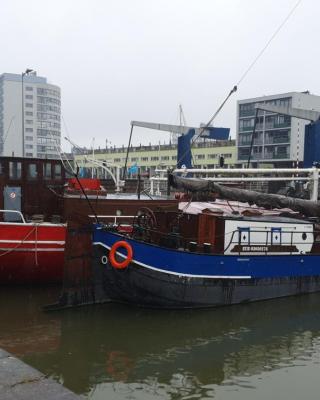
(27, 72)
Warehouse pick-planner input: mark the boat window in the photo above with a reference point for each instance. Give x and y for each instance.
(32, 171)
(244, 236)
(275, 236)
(47, 170)
(14, 170)
(57, 171)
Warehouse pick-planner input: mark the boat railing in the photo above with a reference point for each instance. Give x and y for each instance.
(114, 218)
(15, 212)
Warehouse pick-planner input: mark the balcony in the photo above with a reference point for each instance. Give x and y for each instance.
(256, 142)
(281, 156)
(273, 156)
(247, 113)
(243, 156)
(254, 156)
(283, 125)
(246, 128)
(277, 140)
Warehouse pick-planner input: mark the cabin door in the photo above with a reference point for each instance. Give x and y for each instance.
(12, 201)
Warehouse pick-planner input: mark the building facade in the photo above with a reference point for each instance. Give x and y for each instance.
(149, 158)
(278, 139)
(29, 116)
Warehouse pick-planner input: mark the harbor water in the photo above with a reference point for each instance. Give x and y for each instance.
(260, 351)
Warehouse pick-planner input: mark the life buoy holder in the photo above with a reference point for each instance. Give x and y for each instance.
(123, 264)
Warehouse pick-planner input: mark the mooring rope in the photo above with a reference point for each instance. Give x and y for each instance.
(35, 229)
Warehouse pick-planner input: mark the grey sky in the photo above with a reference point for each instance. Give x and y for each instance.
(123, 60)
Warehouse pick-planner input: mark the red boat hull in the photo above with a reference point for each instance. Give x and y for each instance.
(31, 253)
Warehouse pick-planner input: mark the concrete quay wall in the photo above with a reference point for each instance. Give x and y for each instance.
(20, 381)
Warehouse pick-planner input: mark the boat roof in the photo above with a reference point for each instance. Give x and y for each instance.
(242, 211)
(230, 208)
(270, 218)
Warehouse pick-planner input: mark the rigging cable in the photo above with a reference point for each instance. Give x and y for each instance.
(269, 42)
(245, 73)
(8, 130)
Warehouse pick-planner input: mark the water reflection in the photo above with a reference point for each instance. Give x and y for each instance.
(115, 351)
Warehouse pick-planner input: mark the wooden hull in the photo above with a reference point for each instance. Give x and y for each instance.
(31, 253)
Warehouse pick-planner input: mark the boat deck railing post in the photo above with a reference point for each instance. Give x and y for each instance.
(315, 184)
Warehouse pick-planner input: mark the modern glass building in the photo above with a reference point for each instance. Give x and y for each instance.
(29, 116)
(279, 139)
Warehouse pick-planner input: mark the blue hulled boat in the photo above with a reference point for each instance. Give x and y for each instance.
(181, 260)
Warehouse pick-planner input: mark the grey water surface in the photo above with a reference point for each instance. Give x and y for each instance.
(264, 350)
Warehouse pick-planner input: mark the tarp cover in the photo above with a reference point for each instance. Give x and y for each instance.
(269, 201)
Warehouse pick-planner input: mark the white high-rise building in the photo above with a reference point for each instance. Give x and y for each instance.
(29, 116)
(278, 139)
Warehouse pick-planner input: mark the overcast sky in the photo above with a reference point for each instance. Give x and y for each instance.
(122, 60)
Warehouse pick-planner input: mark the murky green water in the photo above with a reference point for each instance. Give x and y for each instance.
(258, 351)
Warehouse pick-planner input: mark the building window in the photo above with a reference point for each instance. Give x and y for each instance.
(29, 113)
(29, 137)
(154, 158)
(285, 102)
(29, 121)
(29, 146)
(48, 92)
(29, 105)
(212, 155)
(200, 156)
(227, 155)
(29, 154)
(29, 129)
(14, 170)
(57, 171)
(28, 88)
(246, 124)
(47, 170)
(247, 109)
(29, 96)
(243, 153)
(46, 116)
(117, 160)
(164, 158)
(32, 171)
(134, 159)
(144, 158)
(173, 158)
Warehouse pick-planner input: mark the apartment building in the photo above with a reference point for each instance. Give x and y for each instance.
(278, 139)
(148, 158)
(29, 116)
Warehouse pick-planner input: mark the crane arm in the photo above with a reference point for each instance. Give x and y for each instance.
(310, 115)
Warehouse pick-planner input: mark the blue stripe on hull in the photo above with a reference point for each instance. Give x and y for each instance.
(203, 265)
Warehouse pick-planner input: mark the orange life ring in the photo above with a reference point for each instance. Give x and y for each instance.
(123, 264)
